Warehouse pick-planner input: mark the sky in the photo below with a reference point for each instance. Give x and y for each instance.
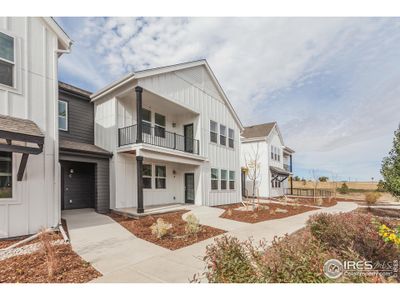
(332, 84)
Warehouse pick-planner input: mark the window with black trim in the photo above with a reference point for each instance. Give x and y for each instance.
(231, 180)
(161, 174)
(159, 128)
(5, 175)
(7, 60)
(62, 115)
(214, 179)
(147, 173)
(146, 121)
(222, 134)
(231, 136)
(213, 131)
(224, 178)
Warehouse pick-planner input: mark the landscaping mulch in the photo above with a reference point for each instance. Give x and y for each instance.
(175, 239)
(260, 214)
(8, 242)
(32, 268)
(326, 202)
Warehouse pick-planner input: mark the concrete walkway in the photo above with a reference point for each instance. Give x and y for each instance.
(139, 261)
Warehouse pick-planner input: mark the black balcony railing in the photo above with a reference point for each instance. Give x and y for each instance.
(158, 136)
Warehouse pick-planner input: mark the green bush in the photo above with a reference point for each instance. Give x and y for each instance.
(344, 189)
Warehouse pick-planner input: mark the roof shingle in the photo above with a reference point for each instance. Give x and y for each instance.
(260, 130)
(21, 126)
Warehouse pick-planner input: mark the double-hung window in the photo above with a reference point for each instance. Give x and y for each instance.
(214, 179)
(231, 136)
(161, 174)
(62, 115)
(7, 60)
(147, 176)
(5, 174)
(146, 121)
(213, 132)
(272, 152)
(231, 180)
(224, 177)
(222, 134)
(159, 128)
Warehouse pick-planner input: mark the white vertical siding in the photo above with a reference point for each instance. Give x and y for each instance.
(34, 200)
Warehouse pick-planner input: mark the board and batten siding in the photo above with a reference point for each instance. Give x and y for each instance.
(35, 199)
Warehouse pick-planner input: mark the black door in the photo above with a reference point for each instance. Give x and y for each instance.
(188, 133)
(77, 185)
(189, 188)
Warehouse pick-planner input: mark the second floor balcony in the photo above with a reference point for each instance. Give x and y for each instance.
(158, 136)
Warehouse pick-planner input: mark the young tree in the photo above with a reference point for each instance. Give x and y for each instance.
(323, 179)
(253, 165)
(391, 167)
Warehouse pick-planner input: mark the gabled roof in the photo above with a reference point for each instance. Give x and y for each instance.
(258, 131)
(166, 69)
(63, 38)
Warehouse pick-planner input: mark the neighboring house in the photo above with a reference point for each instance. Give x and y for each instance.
(174, 136)
(29, 169)
(85, 177)
(264, 143)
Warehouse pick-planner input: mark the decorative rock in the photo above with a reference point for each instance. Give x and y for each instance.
(27, 249)
(280, 210)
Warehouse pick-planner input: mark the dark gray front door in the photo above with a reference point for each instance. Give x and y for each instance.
(77, 186)
(189, 188)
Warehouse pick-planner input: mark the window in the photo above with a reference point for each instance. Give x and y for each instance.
(5, 175)
(214, 179)
(222, 136)
(272, 152)
(231, 136)
(62, 115)
(276, 183)
(231, 180)
(224, 175)
(159, 128)
(146, 121)
(147, 176)
(7, 61)
(213, 132)
(161, 175)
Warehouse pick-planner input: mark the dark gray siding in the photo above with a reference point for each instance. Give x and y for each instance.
(80, 118)
(102, 179)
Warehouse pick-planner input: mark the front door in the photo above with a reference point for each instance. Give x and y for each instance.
(189, 188)
(188, 133)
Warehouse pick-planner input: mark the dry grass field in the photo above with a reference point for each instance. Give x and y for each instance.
(353, 185)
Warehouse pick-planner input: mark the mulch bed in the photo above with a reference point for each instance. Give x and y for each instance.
(259, 214)
(326, 202)
(32, 268)
(175, 239)
(9, 242)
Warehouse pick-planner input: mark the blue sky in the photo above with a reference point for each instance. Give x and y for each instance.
(332, 84)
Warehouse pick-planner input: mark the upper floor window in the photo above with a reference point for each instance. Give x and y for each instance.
(222, 134)
(213, 132)
(224, 178)
(146, 121)
(276, 153)
(7, 60)
(214, 179)
(5, 174)
(62, 115)
(159, 127)
(231, 136)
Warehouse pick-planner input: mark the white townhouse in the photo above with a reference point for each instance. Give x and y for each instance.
(174, 136)
(264, 143)
(29, 169)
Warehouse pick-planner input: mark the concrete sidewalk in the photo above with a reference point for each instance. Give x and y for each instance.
(149, 263)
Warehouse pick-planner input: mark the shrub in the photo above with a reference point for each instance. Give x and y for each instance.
(319, 201)
(344, 189)
(372, 197)
(352, 232)
(381, 186)
(192, 226)
(160, 228)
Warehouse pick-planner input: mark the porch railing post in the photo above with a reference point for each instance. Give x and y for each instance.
(139, 128)
(174, 140)
(139, 168)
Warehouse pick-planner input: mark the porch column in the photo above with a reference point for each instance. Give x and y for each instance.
(139, 118)
(290, 163)
(291, 185)
(139, 168)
